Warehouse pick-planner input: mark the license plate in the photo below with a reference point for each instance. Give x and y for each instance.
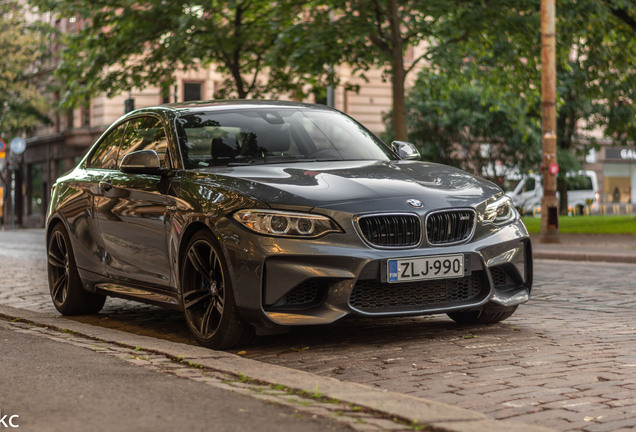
(424, 268)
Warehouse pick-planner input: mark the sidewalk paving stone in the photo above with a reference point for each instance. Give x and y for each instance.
(566, 356)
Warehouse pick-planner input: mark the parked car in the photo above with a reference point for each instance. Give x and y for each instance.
(257, 216)
(526, 191)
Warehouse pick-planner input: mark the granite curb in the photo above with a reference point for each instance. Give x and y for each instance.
(584, 256)
(425, 412)
(613, 248)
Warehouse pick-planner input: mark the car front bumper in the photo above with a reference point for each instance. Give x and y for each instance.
(286, 282)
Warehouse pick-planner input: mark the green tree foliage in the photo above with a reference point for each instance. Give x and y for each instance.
(22, 106)
(377, 33)
(481, 129)
(596, 78)
(126, 44)
(596, 75)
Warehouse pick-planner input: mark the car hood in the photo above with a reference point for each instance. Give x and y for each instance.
(356, 186)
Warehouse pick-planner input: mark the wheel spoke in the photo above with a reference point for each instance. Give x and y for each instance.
(59, 287)
(213, 260)
(191, 298)
(61, 244)
(207, 317)
(218, 305)
(217, 273)
(197, 262)
(56, 261)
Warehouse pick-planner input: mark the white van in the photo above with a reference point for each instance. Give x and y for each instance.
(526, 191)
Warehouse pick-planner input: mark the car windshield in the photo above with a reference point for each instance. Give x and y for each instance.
(274, 135)
(509, 185)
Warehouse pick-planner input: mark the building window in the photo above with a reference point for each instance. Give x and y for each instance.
(86, 114)
(617, 183)
(62, 167)
(191, 91)
(165, 93)
(70, 113)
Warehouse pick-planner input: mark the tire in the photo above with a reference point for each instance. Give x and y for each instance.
(207, 296)
(66, 288)
(489, 314)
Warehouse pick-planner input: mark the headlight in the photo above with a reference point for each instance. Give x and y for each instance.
(286, 224)
(500, 211)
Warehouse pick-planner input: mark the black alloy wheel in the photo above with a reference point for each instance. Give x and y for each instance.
(207, 296)
(68, 295)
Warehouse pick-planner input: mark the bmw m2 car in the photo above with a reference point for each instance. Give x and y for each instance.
(252, 217)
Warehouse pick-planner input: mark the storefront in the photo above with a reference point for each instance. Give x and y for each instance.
(619, 175)
(45, 159)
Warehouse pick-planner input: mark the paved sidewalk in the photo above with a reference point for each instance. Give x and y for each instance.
(561, 361)
(413, 412)
(587, 247)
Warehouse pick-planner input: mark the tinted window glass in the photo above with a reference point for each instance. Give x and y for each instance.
(191, 91)
(530, 184)
(274, 135)
(105, 156)
(509, 185)
(145, 133)
(579, 182)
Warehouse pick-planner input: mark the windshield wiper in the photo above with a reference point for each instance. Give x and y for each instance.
(268, 160)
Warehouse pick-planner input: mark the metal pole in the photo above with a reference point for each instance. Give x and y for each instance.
(331, 99)
(549, 167)
(12, 197)
(331, 93)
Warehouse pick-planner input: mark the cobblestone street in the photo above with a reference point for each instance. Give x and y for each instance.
(566, 359)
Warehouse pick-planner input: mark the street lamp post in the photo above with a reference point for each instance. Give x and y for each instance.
(17, 146)
(549, 166)
(12, 168)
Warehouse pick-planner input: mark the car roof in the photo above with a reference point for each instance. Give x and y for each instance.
(203, 106)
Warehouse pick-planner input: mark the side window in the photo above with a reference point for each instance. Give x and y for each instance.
(105, 156)
(145, 133)
(530, 184)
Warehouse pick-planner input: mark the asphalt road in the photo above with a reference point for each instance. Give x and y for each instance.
(565, 360)
(48, 385)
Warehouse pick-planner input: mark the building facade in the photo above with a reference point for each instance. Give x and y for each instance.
(55, 149)
(616, 171)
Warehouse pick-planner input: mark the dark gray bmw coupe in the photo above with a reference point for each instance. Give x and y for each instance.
(255, 216)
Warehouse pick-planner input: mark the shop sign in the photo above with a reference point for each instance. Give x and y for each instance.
(625, 153)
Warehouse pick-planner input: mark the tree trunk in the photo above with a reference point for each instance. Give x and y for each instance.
(400, 128)
(398, 74)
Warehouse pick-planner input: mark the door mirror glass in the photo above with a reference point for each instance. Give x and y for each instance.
(405, 150)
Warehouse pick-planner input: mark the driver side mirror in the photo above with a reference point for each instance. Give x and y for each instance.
(142, 162)
(405, 150)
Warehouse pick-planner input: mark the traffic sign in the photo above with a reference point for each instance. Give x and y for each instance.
(3, 145)
(554, 168)
(17, 145)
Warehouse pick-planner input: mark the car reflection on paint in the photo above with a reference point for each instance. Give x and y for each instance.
(252, 217)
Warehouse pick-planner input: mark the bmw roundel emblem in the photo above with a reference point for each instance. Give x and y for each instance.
(415, 203)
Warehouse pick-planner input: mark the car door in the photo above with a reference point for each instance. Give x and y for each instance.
(80, 203)
(131, 211)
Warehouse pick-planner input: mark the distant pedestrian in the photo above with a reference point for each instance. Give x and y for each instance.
(617, 195)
